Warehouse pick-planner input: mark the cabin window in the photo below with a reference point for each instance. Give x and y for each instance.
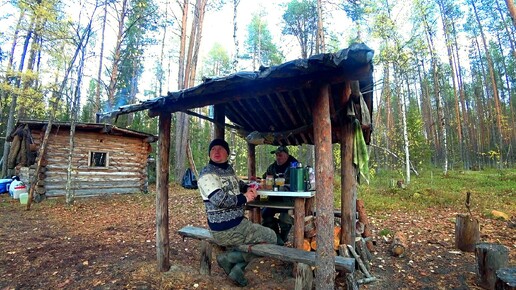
(98, 159)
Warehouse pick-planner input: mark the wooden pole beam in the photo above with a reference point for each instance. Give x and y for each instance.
(219, 115)
(348, 179)
(325, 254)
(162, 229)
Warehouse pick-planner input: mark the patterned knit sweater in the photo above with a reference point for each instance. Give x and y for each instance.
(220, 191)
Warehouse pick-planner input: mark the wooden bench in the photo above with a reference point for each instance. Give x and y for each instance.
(304, 275)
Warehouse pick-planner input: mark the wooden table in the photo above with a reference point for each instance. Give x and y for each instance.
(299, 210)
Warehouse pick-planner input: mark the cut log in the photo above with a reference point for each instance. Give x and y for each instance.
(467, 233)
(306, 245)
(490, 258)
(336, 237)
(399, 244)
(313, 244)
(506, 279)
(310, 229)
(362, 217)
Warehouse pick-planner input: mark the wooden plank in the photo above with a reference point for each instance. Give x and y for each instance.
(93, 192)
(271, 204)
(273, 251)
(296, 255)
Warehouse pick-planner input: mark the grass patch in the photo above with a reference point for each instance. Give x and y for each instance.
(490, 190)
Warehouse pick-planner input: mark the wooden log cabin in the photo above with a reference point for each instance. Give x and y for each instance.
(106, 159)
(306, 101)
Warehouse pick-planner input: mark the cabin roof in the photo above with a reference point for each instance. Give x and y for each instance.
(85, 127)
(276, 101)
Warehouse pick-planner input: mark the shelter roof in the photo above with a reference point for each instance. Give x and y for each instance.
(275, 102)
(87, 127)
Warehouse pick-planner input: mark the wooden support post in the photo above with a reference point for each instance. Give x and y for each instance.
(348, 185)
(162, 229)
(299, 222)
(219, 115)
(251, 171)
(206, 249)
(490, 258)
(506, 279)
(467, 233)
(304, 277)
(325, 254)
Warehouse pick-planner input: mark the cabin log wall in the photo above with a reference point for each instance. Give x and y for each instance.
(126, 171)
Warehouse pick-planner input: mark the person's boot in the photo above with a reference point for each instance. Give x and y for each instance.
(237, 274)
(284, 231)
(228, 260)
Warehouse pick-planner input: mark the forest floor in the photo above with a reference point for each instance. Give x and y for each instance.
(108, 242)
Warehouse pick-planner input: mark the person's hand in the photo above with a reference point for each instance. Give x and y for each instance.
(251, 194)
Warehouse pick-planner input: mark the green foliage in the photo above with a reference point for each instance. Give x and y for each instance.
(217, 62)
(301, 21)
(259, 44)
(490, 189)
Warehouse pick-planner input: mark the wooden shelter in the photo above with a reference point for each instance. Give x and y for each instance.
(305, 101)
(106, 159)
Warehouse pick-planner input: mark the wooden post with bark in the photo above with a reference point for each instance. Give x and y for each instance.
(162, 226)
(325, 255)
(219, 115)
(251, 171)
(490, 258)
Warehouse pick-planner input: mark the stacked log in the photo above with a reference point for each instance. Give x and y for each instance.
(310, 243)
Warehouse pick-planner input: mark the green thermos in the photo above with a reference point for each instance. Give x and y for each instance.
(297, 178)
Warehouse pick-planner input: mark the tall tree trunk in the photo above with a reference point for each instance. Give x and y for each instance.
(14, 97)
(96, 103)
(405, 133)
(438, 100)
(122, 14)
(235, 38)
(447, 31)
(494, 86)
(54, 104)
(70, 194)
(512, 10)
(319, 39)
(467, 134)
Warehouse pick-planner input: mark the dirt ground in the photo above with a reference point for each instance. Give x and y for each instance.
(108, 242)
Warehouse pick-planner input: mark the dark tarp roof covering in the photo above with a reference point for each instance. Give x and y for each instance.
(277, 101)
(89, 127)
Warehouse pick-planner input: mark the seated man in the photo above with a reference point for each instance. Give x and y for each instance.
(224, 199)
(280, 168)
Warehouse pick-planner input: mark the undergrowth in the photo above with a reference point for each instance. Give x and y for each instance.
(490, 190)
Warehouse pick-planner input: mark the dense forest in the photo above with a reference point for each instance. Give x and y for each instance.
(444, 70)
